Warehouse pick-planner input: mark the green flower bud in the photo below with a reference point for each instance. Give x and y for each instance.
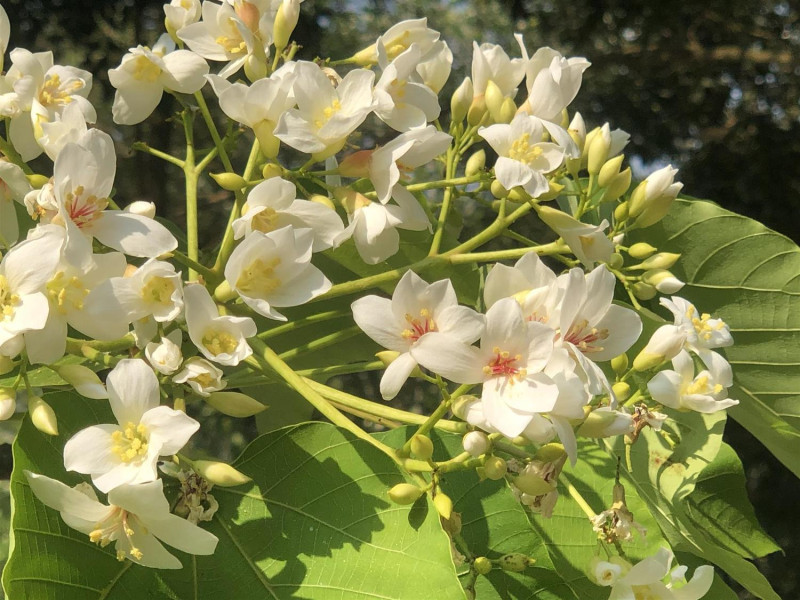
(494, 100)
(616, 261)
(620, 363)
(6, 364)
(621, 390)
(621, 212)
(235, 404)
(516, 562)
(482, 565)
(597, 151)
(422, 446)
(37, 181)
(533, 485)
(644, 291)
(219, 473)
(662, 260)
(8, 403)
(477, 111)
(443, 504)
(285, 22)
(84, 380)
(461, 100)
(224, 292)
(641, 250)
(405, 493)
(42, 415)
(229, 181)
(551, 452)
(507, 111)
(618, 186)
(324, 200)
(495, 468)
(475, 163)
(609, 171)
(498, 191)
(271, 170)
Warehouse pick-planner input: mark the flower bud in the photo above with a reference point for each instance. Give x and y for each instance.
(665, 344)
(495, 468)
(616, 261)
(142, 208)
(621, 212)
(267, 142)
(461, 101)
(482, 565)
(621, 390)
(551, 452)
(620, 363)
(507, 111)
(477, 111)
(271, 170)
(609, 170)
(8, 403)
(224, 292)
(532, 484)
(165, 356)
(405, 493)
(229, 181)
(255, 67)
(662, 260)
(644, 291)
(84, 380)
(220, 473)
(641, 250)
(476, 443)
(324, 200)
(6, 364)
(516, 562)
(618, 186)
(37, 181)
(652, 198)
(42, 415)
(475, 163)
(597, 151)
(422, 447)
(497, 189)
(443, 504)
(664, 281)
(577, 131)
(285, 21)
(605, 422)
(235, 404)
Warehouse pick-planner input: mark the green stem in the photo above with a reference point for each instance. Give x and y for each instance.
(514, 253)
(190, 174)
(445, 183)
(450, 169)
(74, 346)
(323, 342)
(436, 415)
(212, 129)
(305, 321)
(143, 147)
(207, 273)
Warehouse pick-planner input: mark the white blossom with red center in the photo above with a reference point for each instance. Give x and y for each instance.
(416, 311)
(510, 363)
(531, 283)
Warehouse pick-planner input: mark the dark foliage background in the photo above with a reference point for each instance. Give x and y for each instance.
(710, 87)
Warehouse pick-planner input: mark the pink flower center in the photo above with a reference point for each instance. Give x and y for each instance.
(585, 338)
(419, 326)
(83, 210)
(505, 365)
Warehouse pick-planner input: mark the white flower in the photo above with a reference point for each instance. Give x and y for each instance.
(397, 39)
(274, 269)
(24, 273)
(5, 33)
(83, 176)
(222, 339)
(43, 91)
(202, 376)
(13, 187)
(434, 68)
(512, 355)
(154, 289)
(144, 74)
(258, 106)
(127, 453)
(180, 13)
(552, 80)
(165, 356)
(81, 297)
(651, 199)
(531, 282)
(703, 333)
(325, 115)
(273, 204)
(402, 103)
(683, 390)
(222, 36)
(589, 243)
(373, 226)
(491, 63)
(137, 518)
(416, 308)
(523, 159)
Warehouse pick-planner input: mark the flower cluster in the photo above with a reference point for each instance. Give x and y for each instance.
(543, 349)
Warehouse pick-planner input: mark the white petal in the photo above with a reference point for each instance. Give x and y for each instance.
(170, 429)
(396, 375)
(89, 450)
(132, 390)
(65, 499)
(134, 104)
(373, 315)
(186, 70)
(181, 534)
(133, 235)
(449, 358)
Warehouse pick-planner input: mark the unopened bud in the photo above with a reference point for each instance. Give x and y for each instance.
(476, 443)
(271, 170)
(616, 261)
(621, 390)
(37, 181)
(621, 212)
(482, 565)
(235, 404)
(516, 562)
(443, 504)
(42, 415)
(255, 67)
(220, 473)
(8, 403)
(577, 131)
(644, 291)
(268, 144)
(229, 181)
(324, 200)
(461, 101)
(641, 250)
(422, 446)
(662, 260)
(405, 493)
(665, 344)
(597, 151)
(497, 189)
(495, 468)
(533, 484)
(507, 111)
(664, 281)
(518, 195)
(609, 171)
(475, 163)
(618, 186)
(477, 111)
(493, 96)
(142, 208)
(285, 22)
(6, 365)
(619, 364)
(551, 452)
(84, 380)
(224, 292)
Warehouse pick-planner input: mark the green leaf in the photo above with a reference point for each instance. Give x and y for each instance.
(315, 524)
(749, 275)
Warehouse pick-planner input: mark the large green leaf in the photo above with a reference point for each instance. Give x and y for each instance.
(316, 524)
(749, 275)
